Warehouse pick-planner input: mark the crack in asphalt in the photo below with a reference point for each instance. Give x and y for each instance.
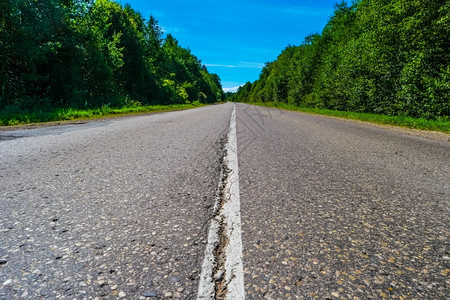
(222, 276)
(220, 284)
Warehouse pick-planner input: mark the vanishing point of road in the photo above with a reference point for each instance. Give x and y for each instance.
(224, 202)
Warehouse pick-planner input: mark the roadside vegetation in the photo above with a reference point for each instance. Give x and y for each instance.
(382, 61)
(442, 125)
(12, 117)
(64, 59)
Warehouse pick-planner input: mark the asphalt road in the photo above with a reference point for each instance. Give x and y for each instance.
(121, 208)
(336, 210)
(109, 208)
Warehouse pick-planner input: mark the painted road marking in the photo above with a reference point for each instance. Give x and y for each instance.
(222, 270)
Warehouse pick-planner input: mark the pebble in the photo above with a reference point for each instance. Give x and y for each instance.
(122, 294)
(101, 283)
(7, 282)
(174, 279)
(150, 294)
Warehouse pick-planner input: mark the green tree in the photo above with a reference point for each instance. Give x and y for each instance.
(388, 57)
(85, 53)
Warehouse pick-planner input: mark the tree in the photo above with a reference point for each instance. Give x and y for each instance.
(376, 56)
(85, 53)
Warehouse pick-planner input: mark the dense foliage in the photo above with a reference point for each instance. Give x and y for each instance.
(86, 53)
(381, 56)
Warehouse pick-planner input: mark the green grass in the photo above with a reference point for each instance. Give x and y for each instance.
(442, 125)
(14, 116)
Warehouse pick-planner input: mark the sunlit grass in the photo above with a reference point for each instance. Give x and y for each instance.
(442, 125)
(14, 116)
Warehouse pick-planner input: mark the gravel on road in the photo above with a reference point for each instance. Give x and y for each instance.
(335, 210)
(121, 208)
(113, 208)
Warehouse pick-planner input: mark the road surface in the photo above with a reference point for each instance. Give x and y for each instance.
(122, 208)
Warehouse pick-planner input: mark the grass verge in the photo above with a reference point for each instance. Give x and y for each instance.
(442, 125)
(11, 117)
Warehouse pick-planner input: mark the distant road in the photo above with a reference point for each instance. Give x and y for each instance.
(123, 207)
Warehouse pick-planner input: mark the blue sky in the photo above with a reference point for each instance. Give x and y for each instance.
(235, 38)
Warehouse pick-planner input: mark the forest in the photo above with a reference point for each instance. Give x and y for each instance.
(386, 57)
(87, 54)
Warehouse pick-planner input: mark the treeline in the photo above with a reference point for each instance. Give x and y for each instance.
(380, 56)
(86, 54)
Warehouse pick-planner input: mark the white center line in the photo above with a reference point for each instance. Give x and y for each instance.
(222, 270)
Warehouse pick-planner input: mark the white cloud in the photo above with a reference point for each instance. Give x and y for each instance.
(251, 65)
(219, 65)
(247, 65)
(232, 89)
(171, 29)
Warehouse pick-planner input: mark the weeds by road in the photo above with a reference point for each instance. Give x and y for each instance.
(14, 116)
(442, 125)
